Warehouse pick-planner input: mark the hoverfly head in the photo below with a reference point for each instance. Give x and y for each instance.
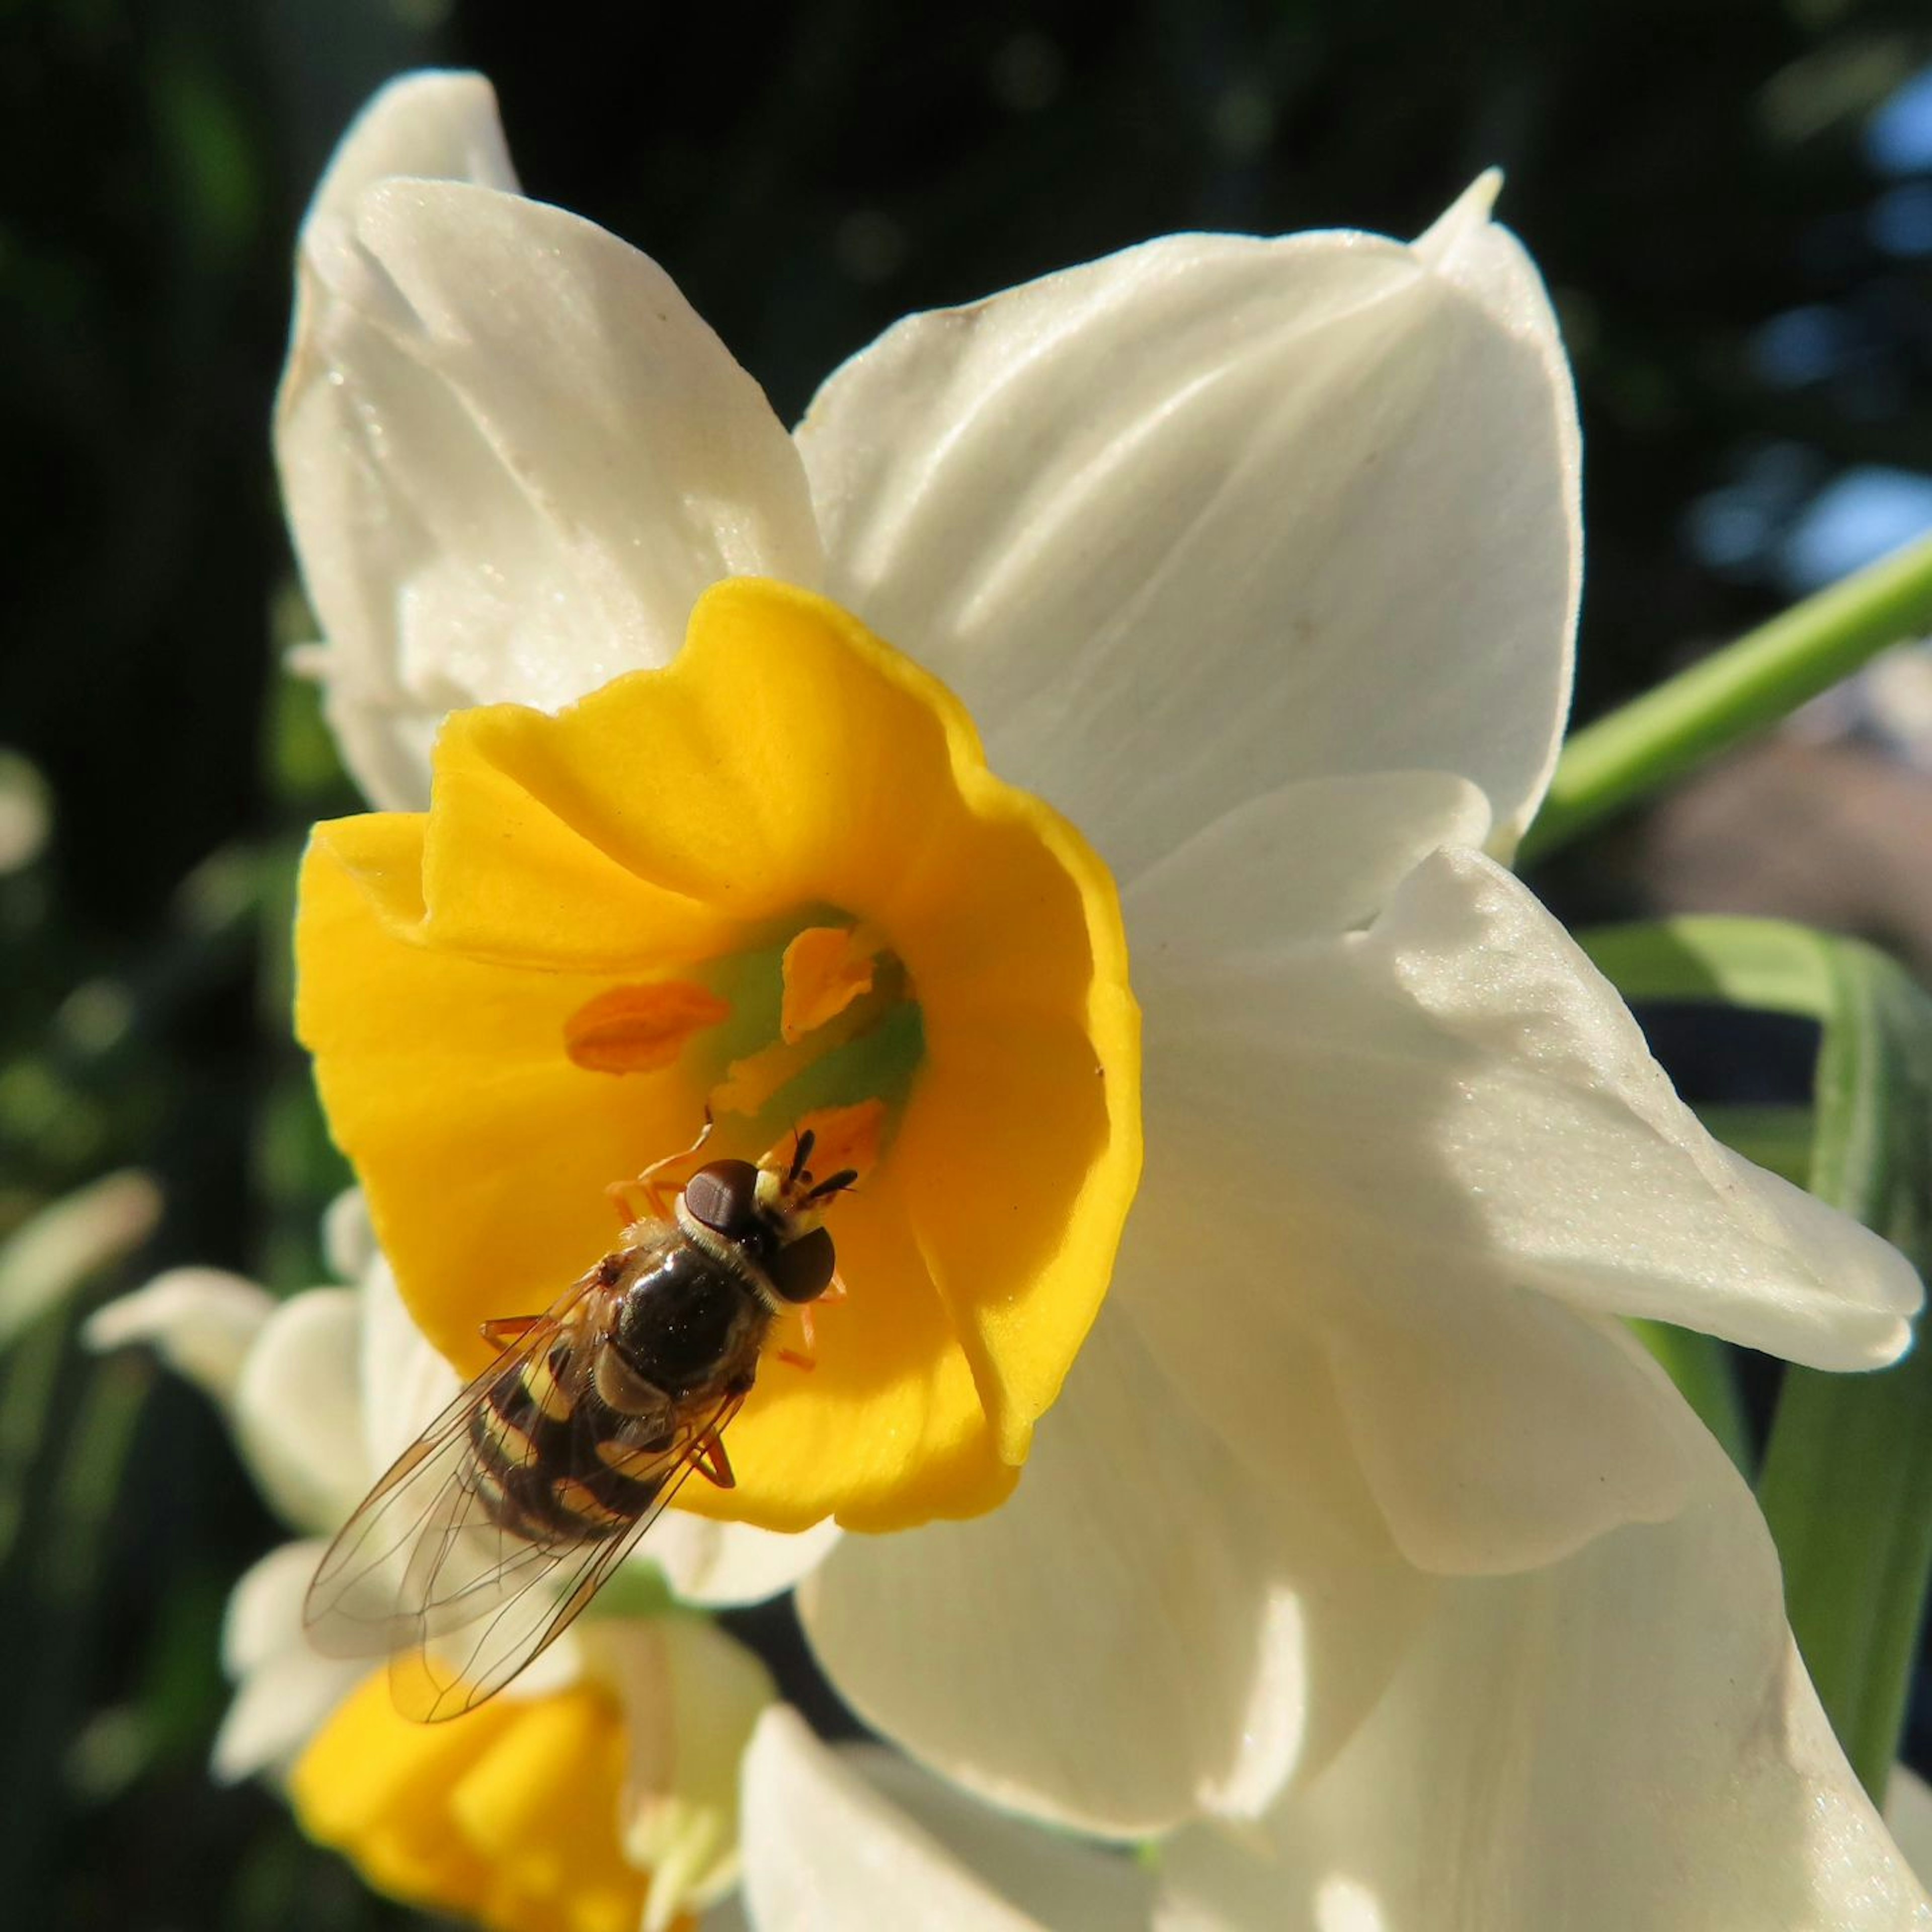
(774, 1214)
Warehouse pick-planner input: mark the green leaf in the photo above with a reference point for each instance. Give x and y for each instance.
(1846, 1482)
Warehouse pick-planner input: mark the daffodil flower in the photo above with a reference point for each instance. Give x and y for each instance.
(602, 1795)
(1257, 562)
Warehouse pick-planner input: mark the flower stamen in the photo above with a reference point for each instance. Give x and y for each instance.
(826, 968)
(640, 1029)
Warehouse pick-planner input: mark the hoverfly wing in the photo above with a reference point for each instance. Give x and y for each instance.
(371, 1595)
(538, 1591)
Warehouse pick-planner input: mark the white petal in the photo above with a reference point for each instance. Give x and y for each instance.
(823, 1848)
(1500, 1431)
(201, 1321)
(433, 126)
(437, 126)
(1552, 1136)
(1056, 1879)
(284, 1691)
(1442, 1140)
(1625, 1739)
(723, 1564)
(299, 1408)
(1307, 861)
(1217, 513)
(348, 1236)
(513, 456)
(264, 1617)
(1133, 1638)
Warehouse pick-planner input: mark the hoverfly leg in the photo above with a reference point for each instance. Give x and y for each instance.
(710, 1461)
(506, 1331)
(658, 1192)
(619, 1194)
(835, 1289)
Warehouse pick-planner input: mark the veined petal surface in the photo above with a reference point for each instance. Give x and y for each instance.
(1216, 513)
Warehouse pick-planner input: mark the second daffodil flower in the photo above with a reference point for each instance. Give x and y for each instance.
(1257, 562)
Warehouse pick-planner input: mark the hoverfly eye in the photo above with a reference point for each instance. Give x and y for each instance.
(724, 1197)
(803, 1271)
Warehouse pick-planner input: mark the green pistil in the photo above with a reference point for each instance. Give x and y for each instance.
(879, 1065)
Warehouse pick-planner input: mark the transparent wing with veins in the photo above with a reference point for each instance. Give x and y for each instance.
(422, 1574)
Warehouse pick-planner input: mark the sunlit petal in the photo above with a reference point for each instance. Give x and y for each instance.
(512, 455)
(1135, 1637)
(1216, 512)
(1623, 1739)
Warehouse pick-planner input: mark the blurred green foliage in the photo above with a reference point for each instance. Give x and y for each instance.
(808, 172)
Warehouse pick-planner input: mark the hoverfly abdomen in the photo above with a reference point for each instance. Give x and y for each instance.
(548, 1469)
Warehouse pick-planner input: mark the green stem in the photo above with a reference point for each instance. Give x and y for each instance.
(1724, 698)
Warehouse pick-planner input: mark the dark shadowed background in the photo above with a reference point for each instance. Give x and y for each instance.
(1732, 202)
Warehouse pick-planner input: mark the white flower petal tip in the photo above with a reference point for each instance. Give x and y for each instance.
(1542, 1077)
(438, 124)
(201, 1321)
(856, 1836)
(1463, 221)
(439, 127)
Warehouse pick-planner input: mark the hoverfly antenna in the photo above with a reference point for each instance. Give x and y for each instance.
(801, 1153)
(837, 1184)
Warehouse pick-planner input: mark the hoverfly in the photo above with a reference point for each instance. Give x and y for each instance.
(491, 1532)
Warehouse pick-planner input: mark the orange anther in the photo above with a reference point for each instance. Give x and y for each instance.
(639, 1029)
(826, 968)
